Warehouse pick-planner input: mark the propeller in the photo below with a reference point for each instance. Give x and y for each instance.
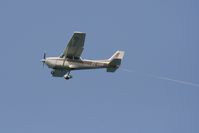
(44, 58)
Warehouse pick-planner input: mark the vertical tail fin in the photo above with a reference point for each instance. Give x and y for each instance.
(115, 61)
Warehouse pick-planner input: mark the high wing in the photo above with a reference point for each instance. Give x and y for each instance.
(75, 46)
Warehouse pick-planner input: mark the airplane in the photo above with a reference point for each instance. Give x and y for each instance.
(71, 59)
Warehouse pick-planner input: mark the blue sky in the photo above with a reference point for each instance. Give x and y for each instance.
(159, 38)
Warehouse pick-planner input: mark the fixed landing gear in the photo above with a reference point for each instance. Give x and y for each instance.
(67, 76)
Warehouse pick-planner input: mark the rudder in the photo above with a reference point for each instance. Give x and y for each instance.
(115, 61)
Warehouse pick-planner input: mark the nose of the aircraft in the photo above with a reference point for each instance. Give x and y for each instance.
(43, 60)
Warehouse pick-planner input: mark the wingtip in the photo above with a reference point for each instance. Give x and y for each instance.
(79, 32)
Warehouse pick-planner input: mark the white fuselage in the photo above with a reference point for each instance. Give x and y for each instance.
(77, 64)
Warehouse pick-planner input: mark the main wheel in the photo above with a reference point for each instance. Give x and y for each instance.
(67, 77)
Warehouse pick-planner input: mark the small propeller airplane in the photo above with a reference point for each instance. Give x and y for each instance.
(71, 60)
